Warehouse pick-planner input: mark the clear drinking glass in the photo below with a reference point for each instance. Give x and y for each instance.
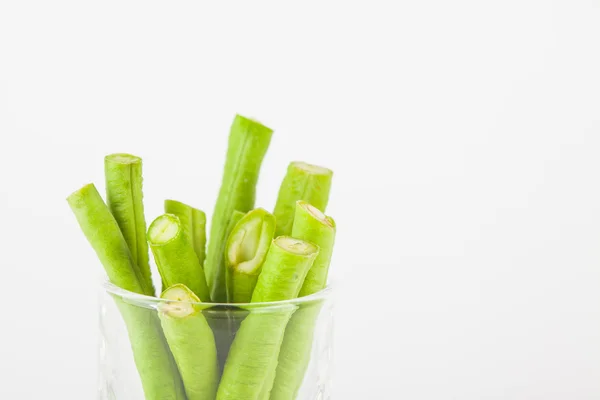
(131, 337)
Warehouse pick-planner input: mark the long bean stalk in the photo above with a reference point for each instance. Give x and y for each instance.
(191, 341)
(312, 225)
(102, 231)
(248, 144)
(156, 367)
(302, 181)
(123, 173)
(153, 359)
(175, 257)
(253, 355)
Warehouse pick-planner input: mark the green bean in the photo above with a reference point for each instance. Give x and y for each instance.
(175, 257)
(155, 365)
(312, 225)
(248, 143)
(123, 174)
(284, 270)
(191, 341)
(302, 181)
(253, 356)
(103, 233)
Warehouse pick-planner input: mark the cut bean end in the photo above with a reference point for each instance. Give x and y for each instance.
(251, 241)
(164, 229)
(123, 158)
(181, 304)
(318, 214)
(295, 246)
(313, 169)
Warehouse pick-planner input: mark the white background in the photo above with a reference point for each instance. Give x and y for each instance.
(465, 139)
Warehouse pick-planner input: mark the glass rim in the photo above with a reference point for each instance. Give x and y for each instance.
(153, 301)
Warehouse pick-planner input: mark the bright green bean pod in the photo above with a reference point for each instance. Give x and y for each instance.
(175, 256)
(312, 225)
(193, 222)
(284, 270)
(191, 341)
(253, 356)
(295, 353)
(157, 370)
(302, 181)
(103, 233)
(123, 173)
(246, 250)
(248, 144)
(155, 364)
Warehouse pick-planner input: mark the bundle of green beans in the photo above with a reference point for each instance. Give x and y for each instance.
(253, 256)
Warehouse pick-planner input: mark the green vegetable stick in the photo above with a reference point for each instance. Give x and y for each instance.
(312, 225)
(248, 143)
(175, 257)
(155, 365)
(103, 233)
(285, 268)
(193, 222)
(294, 354)
(191, 341)
(245, 253)
(123, 174)
(253, 355)
(302, 181)
(153, 359)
